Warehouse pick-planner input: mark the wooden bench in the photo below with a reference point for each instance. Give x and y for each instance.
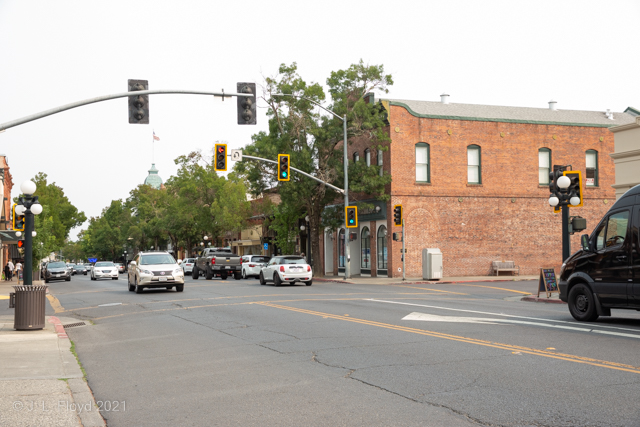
(499, 266)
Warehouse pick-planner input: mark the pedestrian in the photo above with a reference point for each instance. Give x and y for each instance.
(302, 255)
(6, 272)
(19, 271)
(11, 267)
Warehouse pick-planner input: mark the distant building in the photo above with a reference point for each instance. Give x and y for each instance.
(626, 155)
(153, 179)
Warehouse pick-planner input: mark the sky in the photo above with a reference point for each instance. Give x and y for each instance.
(581, 54)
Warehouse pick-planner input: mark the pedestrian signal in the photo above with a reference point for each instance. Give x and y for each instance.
(20, 243)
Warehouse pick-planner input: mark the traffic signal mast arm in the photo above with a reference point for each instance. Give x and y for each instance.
(339, 190)
(66, 107)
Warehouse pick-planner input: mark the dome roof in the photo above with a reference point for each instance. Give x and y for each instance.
(153, 179)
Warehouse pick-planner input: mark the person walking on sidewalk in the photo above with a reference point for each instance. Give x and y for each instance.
(11, 267)
(19, 271)
(6, 272)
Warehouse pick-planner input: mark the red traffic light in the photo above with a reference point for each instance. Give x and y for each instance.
(21, 243)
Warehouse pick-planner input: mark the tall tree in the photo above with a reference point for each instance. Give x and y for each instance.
(297, 127)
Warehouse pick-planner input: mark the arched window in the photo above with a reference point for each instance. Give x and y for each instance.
(380, 160)
(544, 166)
(356, 157)
(365, 248)
(474, 165)
(341, 249)
(367, 157)
(382, 248)
(592, 168)
(422, 162)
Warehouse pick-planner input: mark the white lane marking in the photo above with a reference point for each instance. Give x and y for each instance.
(110, 304)
(486, 321)
(498, 314)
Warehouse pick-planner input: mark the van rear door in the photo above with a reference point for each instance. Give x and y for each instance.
(634, 286)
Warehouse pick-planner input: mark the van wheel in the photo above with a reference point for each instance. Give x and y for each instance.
(582, 303)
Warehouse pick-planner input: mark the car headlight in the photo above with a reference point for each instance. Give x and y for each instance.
(146, 272)
(178, 272)
(564, 265)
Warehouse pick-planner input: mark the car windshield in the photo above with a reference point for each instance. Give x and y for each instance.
(190, 260)
(293, 260)
(57, 265)
(104, 264)
(260, 259)
(157, 259)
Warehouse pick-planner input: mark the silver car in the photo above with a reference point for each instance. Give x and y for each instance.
(104, 270)
(252, 264)
(155, 270)
(287, 268)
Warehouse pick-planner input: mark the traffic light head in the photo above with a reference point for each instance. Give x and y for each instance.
(18, 220)
(575, 188)
(397, 214)
(284, 167)
(351, 214)
(247, 104)
(138, 105)
(220, 157)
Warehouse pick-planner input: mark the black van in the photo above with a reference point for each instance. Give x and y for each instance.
(605, 273)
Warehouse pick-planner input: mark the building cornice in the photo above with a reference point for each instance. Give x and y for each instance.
(627, 126)
(625, 154)
(496, 120)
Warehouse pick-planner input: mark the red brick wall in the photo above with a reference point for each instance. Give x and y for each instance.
(507, 217)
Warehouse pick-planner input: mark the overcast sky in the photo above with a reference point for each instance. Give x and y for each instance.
(583, 54)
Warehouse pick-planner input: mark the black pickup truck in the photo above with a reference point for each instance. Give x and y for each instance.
(217, 262)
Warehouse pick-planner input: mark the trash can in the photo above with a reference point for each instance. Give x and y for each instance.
(29, 304)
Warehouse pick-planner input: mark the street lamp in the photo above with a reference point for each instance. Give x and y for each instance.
(28, 206)
(347, 267)
(125, 260)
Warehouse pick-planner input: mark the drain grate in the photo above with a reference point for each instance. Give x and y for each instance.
(73, 325)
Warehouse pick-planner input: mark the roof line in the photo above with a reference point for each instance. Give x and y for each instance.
(487, 119)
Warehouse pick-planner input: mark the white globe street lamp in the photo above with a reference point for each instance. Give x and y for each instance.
(18, 233)
(36, 209)
(563, 182)
(33, 234)
(28, 188)
(20, 210)
(575, 200)
(553, 201)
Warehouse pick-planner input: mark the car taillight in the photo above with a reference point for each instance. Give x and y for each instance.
(213, 261)
(282, 268)
(252, 265)
(308, 268)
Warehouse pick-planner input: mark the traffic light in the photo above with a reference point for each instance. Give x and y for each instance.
(20, 243)
(284, 167)
(247, 104)
(18, 220)
(138, 105)
(221, 157)
(575, 188)
(352, 216)
(397, 214)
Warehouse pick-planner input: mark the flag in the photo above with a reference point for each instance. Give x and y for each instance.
(155, 138)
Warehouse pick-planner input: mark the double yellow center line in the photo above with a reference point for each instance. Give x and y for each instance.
(508, 347)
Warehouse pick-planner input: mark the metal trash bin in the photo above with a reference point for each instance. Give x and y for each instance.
(29, 304)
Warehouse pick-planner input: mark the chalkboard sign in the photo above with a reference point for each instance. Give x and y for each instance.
(548, 282)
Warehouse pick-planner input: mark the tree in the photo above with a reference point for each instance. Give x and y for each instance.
(314, 142)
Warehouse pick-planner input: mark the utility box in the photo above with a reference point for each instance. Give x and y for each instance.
(432, 264)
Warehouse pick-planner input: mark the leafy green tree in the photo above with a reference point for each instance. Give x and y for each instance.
(314, 142)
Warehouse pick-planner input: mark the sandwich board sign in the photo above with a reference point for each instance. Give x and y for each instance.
(548, 282)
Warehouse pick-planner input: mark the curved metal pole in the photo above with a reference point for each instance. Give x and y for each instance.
(347, 265)
(62, 108)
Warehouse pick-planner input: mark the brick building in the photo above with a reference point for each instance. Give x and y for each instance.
(473, 182)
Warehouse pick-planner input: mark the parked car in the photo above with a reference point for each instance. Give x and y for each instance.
(88, 266)
(217, 262)
(104, 270)
(154, 270)
(56, 270)
(79, 269)
(286, 269)
(187, 265)
(600, 276)
(252, 264)
(120, 267)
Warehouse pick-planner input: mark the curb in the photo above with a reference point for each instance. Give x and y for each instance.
(425, 282)
(532, 298)
(80, 391)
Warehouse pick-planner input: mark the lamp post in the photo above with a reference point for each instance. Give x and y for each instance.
(125, 260)
(560, 195)
(28, 206)
(347, 267)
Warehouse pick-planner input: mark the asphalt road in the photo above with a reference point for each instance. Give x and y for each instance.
(237, 353)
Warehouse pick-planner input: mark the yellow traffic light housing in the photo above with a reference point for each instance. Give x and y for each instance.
(18, 220)
(351, 215)
(575, 188)
(284, 167)
(220, 160)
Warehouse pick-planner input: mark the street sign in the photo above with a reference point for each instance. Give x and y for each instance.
(92, 260)
(236, 155)
(266, 246)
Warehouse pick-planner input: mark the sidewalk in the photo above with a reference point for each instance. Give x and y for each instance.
(364, 280)
(41, 381)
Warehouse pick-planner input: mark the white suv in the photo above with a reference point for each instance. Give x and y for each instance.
(252, 264)
(155, 270)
